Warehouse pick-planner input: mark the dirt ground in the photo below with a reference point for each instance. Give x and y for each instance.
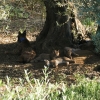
(87, 63)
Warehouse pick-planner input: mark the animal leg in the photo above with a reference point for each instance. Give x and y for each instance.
(75, 54)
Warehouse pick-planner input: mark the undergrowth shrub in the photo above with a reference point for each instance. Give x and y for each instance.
(42, 89)
(4, 12)
(9, 11)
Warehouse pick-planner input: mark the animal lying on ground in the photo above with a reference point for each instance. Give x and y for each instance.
(45, 56)
(23, 49)
(68, 52)
(57, 61)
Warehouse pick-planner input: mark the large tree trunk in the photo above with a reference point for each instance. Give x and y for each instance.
(56, 32)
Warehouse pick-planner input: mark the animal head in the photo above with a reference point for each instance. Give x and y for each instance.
(56, 53)
(21, 36)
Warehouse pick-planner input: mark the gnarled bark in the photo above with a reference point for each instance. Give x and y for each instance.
(56, 32)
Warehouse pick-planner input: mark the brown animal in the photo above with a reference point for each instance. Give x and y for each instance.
(45, 56)
(57, 61)
(23, 49)
(68, 51)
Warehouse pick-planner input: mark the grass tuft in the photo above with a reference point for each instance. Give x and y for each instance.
(42, 89)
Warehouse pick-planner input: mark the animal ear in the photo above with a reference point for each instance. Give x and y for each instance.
(19, 33)
(57, 50)
(24, 33)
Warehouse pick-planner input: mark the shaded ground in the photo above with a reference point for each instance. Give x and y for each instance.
(87, 63)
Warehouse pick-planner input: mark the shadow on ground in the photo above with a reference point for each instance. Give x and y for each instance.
(9, 67)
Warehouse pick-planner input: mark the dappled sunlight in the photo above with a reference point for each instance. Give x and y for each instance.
(34, 23)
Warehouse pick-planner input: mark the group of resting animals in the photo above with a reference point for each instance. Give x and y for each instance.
(27, 54)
